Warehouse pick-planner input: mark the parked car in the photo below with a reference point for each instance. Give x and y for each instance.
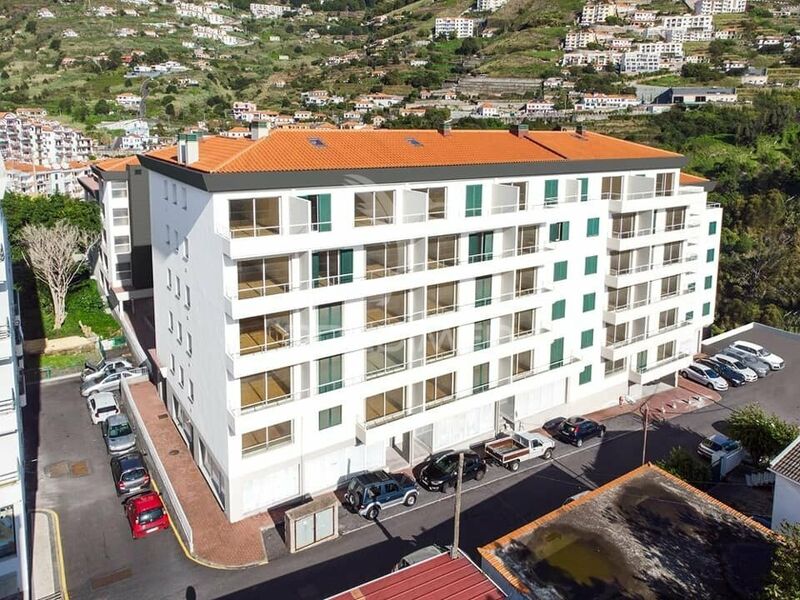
(774, 361)
(114, 367)
(146, 514)
(734, 363)
(370, 493)
(729, 374)
(577, 429)
(108, 383)
(118, 434)
(129, 473)
(715, 443)
(704, 376)
(441, 471)
(419, 555)
(511, 450)
(101, 406)
(117, 363)
(761, 368)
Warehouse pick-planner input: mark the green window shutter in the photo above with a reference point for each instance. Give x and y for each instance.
(590, 265)
(474, 247)
(564, 231)
(488, 245)
(346, 265)
(482, 335)
(710, 255)
(558, 310)
(324, 212)
(588, 302)
(315, 269)
(553, 232)
(551, 191)
(712, 228)
(480, 378)
(330, 373)
(584, 188)
(330, 321)
(593, 227)
(587, 338)
(585, 375)
(483, 290)
(706, 309)
(474, 200)
(641, 360)
(557, 353)
(330, 417)
(560, 271)
(709, 281)
(690, 315)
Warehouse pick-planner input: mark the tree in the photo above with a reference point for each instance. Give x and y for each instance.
(30, 27)
(102, 107)
(55, 44)
(56, 255)
(784, 577)
(685, 465)
(469, 47)
(762, 435)
(156, 55)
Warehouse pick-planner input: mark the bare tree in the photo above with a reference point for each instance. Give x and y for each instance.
(56, 255)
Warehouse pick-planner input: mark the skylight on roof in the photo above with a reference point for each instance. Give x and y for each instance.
(316, 142)
(414, 142)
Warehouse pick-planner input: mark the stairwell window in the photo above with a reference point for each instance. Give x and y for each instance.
(373, 208)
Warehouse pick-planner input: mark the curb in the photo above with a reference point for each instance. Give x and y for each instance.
(55, 523)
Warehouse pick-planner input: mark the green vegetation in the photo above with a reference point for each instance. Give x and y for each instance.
(84, 307)
(784, 577)
(686, 465)
(763, 435)
(65, 362)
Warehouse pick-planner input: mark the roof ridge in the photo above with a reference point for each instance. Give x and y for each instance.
(609, 137)
(541, 145)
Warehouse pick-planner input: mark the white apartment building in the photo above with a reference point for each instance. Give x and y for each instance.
(597, 12)
(27, 136)
(646, 62)
(579, 39)
(333, 301)
(489, 5)
(27, 178)
(268, 11)
(603, 102)
(456, 27)
(14, 567)
(687, 35)
(597, 58)
(715, 7)
(687, 22)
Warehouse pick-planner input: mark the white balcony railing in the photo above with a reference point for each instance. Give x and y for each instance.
(664, 361)
(645, 301)
(642, 268)
(647, 335)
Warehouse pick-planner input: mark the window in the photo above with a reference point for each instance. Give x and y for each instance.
(122, 244)
(180, 376)
(191, 391)
(385, 405)
(166, 190)
(559, 232)
(186, 248)
(386, 259)
(329, 373)
(440, 344)
(320, 211)
(184, 203)
(331, 267)
(590, 265)
(329, 321)
(665, 184)
(589, 302)
(123, 270)
(560, 271)
(522, 364)
(667, 318)
(436, 202)
(8, 532)
(587, 338)
(442, 251)
(550, 191)
(169, 279)
(180, 333)
(712, 228)
(177, 287)
(709, 282)
(171, 322)
(254, 217)
(263, 277)
(385, 309)
(480, 378)
(665, 351)
(439, 390)
(263, 389)
(669, 286)
(527, 239)
(441, 298)
(557, 353)
(330, 417)
(175, 232)
(483, 290)
(524, 323)
(474, 200)
(641, 361)
(593, 227)
(265, 332)
(373, 208)
(525, 281)
(690, 315)
(385, 358)
(672, 253)
(172, 363)
(119, 189)
(585, 375)
(611, 188)
(267, 439)
(584, 183)
(188, 343)
(558, 310)
(120, 217)
(676, 219)
(706, 309)
(482, 334)
(480, 246)
(174, 193)
(710, 255)
(522, 198)
(188, 299)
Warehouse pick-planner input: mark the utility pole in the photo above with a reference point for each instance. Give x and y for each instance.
(457, 517)
(646, 416)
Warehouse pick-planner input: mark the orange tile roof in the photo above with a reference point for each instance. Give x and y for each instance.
(117, 164)
(688, 179)
(291, 150)
(24, 167)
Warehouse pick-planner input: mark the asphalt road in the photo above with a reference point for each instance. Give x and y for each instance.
(103, 562)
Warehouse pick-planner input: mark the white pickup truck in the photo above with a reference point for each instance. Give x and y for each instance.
(510, 451)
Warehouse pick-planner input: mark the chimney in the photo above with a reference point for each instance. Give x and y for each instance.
(188, 148)
(446, 128)
(520, 129)
(258, 130)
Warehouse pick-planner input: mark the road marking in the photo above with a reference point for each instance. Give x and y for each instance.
(62, 572)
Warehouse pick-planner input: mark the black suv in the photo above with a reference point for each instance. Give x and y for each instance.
(441, 471)
(129, 473)
(576, 429)
(369, 493)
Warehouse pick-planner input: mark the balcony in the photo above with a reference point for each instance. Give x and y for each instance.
(629, 239)
(661, 368)
(625, 276)
(650, 200)
(615, 350)
(632, 310)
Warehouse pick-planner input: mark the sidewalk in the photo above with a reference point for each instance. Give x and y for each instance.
(46, 565)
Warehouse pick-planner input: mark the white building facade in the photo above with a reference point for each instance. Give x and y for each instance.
(456, 27)
(715, 7)
(363, 313)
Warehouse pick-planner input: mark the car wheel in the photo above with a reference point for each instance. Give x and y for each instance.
(480, 474)
(411, 500)
(356, 499)
(684, 375)
(710, 386)
(373, 512)
(602, 432)
(514, 466)
(579, 442)
(548, 454)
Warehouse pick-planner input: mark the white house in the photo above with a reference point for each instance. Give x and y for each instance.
(715, 7)
(786, 499)
(457, 27)
(128, 101)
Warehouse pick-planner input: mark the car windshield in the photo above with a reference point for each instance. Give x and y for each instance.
(119, 430)
(711, 373)
(105, 409)
(568, 427)
(712, 445)
(133, 475)
(353, 485)
(738, 364)
(445, 463)
(151, 515)
(762, 352)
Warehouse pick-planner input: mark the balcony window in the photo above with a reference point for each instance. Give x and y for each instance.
(615, 366)
(122, 244)
(439, 390)
(442, 251)
(522, 198)
(619, 299)
(8, 532)
(385, 405)
(374, 208)
(559, 232)
(524, 323)
(330, 417)
(385, 358)
(672, 252)
(474, 200)
(667, 318)
(331, 267)
(123, 270)
(329, 320)
(525, 281)
(265, 332)
(584, 191)
(480, 378)
(266, 439)
(480, 246)
(669, 286)
(611, 188)
(527, 239)
(254, 217)
(624, 226)
(550, 191)
(320, 211)
(440, 344)
(522, 364)
(441, 298)
(665, 184)
(329, 373)
(437, 202)
(265, 388)
(386, 259)
(263, 277)
(483, 290)
(120, 217)
(616, 333)
(385, 309)
(482, 335)
(676, 219)
(665, 351)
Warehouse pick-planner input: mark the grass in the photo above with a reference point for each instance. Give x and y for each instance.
(85, 306)
(65, 362)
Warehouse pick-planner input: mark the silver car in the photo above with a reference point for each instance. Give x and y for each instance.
(705, 376)
(761, 368)
(107, 369)
(109, 383)
(118, 434)
(737, 365)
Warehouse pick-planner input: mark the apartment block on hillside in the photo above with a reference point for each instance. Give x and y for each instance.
(333, 301)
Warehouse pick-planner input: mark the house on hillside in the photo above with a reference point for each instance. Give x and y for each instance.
(786, 501)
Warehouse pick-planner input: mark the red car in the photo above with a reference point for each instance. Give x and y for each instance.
(146, 514)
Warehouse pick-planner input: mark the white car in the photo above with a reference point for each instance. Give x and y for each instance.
(101, 406)
(774, 361)
(110, 367)
(737, 365)
(108, 383)
(705, 376)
